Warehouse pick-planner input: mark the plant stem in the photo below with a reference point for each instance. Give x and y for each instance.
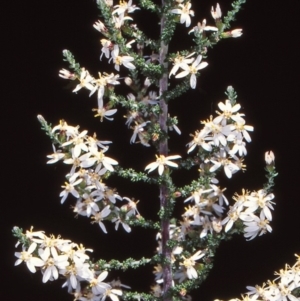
(163, 150)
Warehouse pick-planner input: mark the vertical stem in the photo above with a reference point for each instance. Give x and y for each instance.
(163, 150)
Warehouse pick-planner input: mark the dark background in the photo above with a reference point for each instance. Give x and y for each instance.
(262, 65)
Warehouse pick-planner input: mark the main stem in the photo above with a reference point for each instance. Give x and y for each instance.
(163, 150)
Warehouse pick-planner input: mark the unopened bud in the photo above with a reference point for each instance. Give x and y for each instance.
(147, 82)
(128, 81)
(216, 13)
(232, 34)
(269, 157)
(41, 119)
(176, 194)
(109, 3)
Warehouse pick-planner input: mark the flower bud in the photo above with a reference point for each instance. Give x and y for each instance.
(147, 82)
(232, 34)
(128, 81)
(269, 157)
(41, 119)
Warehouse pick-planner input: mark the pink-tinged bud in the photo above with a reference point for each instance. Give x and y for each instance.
(100, 26)
(66, 74)
(128, 81)
(236, 32)
(269, 157)
(176, 194)
(216, 14)
(232, 34)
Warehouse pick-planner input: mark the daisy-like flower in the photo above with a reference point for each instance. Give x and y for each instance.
(193, 69)
(189, 264)
(30, 260)
(69, 188)
(180, 61)
(241, 130)
(258, 226)
(99, 217)
(160, 163)
(79, 144)
(66, 129)
(85, 81)
(123, 7)
(52, 264)
(101, 159)
(121, 60)
(222, 160)
(102, 112)
(200, 139)
(99, 287)
(228, 112)
(185, 12)
(262, 200)
(137, 129)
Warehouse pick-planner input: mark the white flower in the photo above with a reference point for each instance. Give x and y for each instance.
(179, 61)
(137, 129)
(228, 113)
(200, 140)
(193, 69)
(258, 226)
(102, 112)
(99, 217)
(107, 46)
(101, 159)
(56, 156)
(27, 257)
(52, 264)
(99, 287)
(69, 188)
(184, 13)
(189, 264)
(85, 81)
(222, 160)
(123, 7)
(121, 60)
(262, 200)
(66, 129)
(160, 163)
(79, 144)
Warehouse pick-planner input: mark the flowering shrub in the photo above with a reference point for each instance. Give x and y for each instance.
(155, 77)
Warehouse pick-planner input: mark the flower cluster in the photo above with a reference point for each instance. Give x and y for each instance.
(185, 267)
(282, 288)
(90, 165)
(55, 256)
(221, 141)
(253, 209)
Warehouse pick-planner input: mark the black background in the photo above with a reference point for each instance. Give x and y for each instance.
(262, 65)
